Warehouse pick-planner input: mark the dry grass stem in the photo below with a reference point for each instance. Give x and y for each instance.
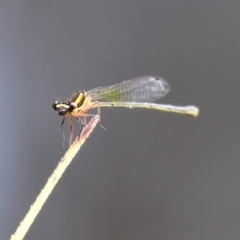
(52, 181)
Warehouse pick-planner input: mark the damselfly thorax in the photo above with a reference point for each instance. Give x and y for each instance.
(76, 106)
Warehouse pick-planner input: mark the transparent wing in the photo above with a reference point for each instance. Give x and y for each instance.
(142, 89)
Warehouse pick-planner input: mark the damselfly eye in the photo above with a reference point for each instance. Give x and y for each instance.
(54, 105)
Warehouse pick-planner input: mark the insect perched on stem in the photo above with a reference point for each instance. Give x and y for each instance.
(138, 92)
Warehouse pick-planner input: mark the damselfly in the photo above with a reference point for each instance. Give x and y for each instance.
(134, 93)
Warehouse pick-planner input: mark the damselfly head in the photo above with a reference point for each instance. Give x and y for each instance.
(62, 107)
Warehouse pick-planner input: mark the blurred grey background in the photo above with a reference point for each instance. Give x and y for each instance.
(151, 175)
